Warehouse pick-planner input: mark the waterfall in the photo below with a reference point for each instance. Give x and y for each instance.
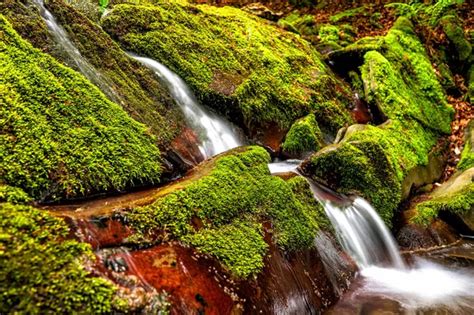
(216, 134)
(62, 39)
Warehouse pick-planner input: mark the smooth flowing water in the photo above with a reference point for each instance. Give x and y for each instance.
(74, 55)
(385, 277)
(216, 134)
(284, 166)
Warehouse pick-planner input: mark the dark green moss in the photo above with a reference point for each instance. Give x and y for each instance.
(453, 29)
(60, 136)
(237, 191)
(242, 66)
(43, 273)
(304, 136)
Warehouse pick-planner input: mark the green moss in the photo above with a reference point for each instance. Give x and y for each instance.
(13, 195)
(43, 273)
(329, 33)
(467, 155)
(135, 88)
(453, 29)
(418, 94)
(239, 246)
(347, 14)
(460, 203)
(237, 190)
(299, 24)
(242, 66)
(304, 136)
(59, 135)
(375, 162)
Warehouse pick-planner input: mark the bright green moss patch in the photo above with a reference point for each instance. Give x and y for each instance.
(239, 246)
(237, 63)
(401, 82)
(43, 273)
(13, 195)
(304, 136)
(59, 135)
(237, 190)
(467, 155)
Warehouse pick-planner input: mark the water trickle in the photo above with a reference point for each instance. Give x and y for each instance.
(216, 134)
(284, 166)
(80, 63)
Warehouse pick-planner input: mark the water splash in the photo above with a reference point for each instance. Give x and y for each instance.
(61, 38)
(216, 134)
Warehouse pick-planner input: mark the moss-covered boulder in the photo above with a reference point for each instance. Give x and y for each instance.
(60, 136)
(43, 273)
(220, 209)
(304, 136)
(455, 196)
(240, 65)
(122, 79)
(377, 162)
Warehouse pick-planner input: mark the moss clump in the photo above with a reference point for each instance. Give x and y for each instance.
(43, 273)
(60, 136)
(467, 155)
(299, 24)
(13, 195)
(242, 66)
(239, 246)
(453, 29)
(304, 136)
(418, 94)
(236, 191)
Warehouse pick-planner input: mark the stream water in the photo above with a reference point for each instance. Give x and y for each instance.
(215, 133)
(386, 282)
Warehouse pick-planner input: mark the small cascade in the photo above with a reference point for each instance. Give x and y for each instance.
(284, 166)
(216, 134)
(62, 39)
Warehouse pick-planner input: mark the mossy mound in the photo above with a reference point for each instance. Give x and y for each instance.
(60, 136)
(304, 136)
(43, 273)
(135, 87)
(241, 65)
(122, 79)
(234, 195)
(375, 162)
(455, 196)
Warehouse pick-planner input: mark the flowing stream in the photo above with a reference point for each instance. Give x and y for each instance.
(216, 134)
(423, 286)
(74, 55)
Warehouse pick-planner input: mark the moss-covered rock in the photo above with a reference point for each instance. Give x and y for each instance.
(43, 273)
(455, 196)
(240, 65)
(467, 155)
(304, 136)
(234, 192)
(375, 162)
(13, 195)
(60, 136)
(453, 29)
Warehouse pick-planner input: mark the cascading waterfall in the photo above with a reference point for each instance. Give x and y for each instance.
(365, 237)
(216, 135)
(62, 39)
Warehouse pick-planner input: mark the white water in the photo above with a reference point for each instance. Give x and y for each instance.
(284, 166)
(425, 285)
(216, 135)
(62, 40)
